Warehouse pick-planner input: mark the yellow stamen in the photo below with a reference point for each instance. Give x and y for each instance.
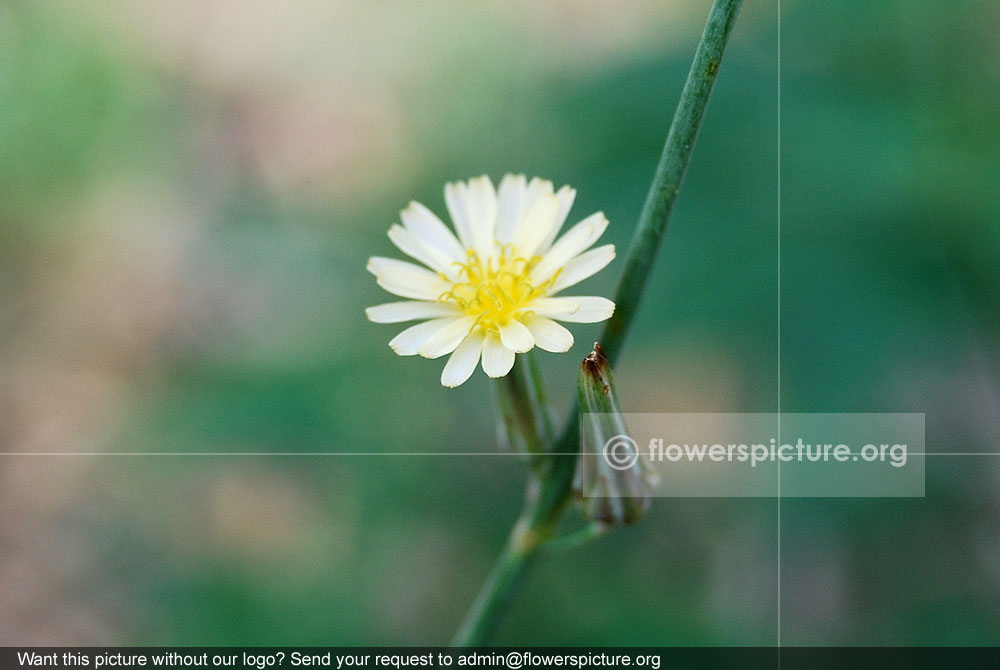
(495, 289)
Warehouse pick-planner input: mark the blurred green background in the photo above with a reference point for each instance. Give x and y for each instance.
(189, 192)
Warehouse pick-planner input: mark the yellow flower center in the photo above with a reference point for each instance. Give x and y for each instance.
(495, 289)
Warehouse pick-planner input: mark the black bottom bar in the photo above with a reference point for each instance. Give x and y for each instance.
(508, 658)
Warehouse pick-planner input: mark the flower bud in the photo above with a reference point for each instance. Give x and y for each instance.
(613, 482)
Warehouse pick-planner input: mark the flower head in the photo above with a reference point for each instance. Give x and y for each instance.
(489, 292)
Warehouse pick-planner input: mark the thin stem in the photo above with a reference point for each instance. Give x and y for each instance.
(501, 585)
(649, 231)
(556, 478)
(545, 415)
(578, 537)
(669, 173)
(525, 419)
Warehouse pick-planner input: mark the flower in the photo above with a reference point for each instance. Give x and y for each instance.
(489, 293)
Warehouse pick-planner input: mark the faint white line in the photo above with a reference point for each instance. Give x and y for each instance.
(272, 453)
(958, 453)
(705, 461)
(779, 327)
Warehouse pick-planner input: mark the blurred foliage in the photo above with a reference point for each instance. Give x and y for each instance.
(181, 270)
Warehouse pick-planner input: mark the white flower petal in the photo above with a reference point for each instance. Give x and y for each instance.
(406, 279)
(497, 359)
(592, 309)
(410, 310)
(565, 196)
(522, 218)
(577, 239)
(378, 263)
(410, 340)
(537, 188)
(424, 224)
(555, 308)
(455, 196)
(445, 340)
(516, 336)
(510, 200)
(548, 334)
(536, 225)
(414, 247)
(585, 265)
(462, 362)
(481, 202)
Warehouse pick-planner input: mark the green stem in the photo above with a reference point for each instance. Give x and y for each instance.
(669, 173)
(556, 486)
(547, 504)
(525, 422)
(545, 415)
(501, 585)
(578, 537)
